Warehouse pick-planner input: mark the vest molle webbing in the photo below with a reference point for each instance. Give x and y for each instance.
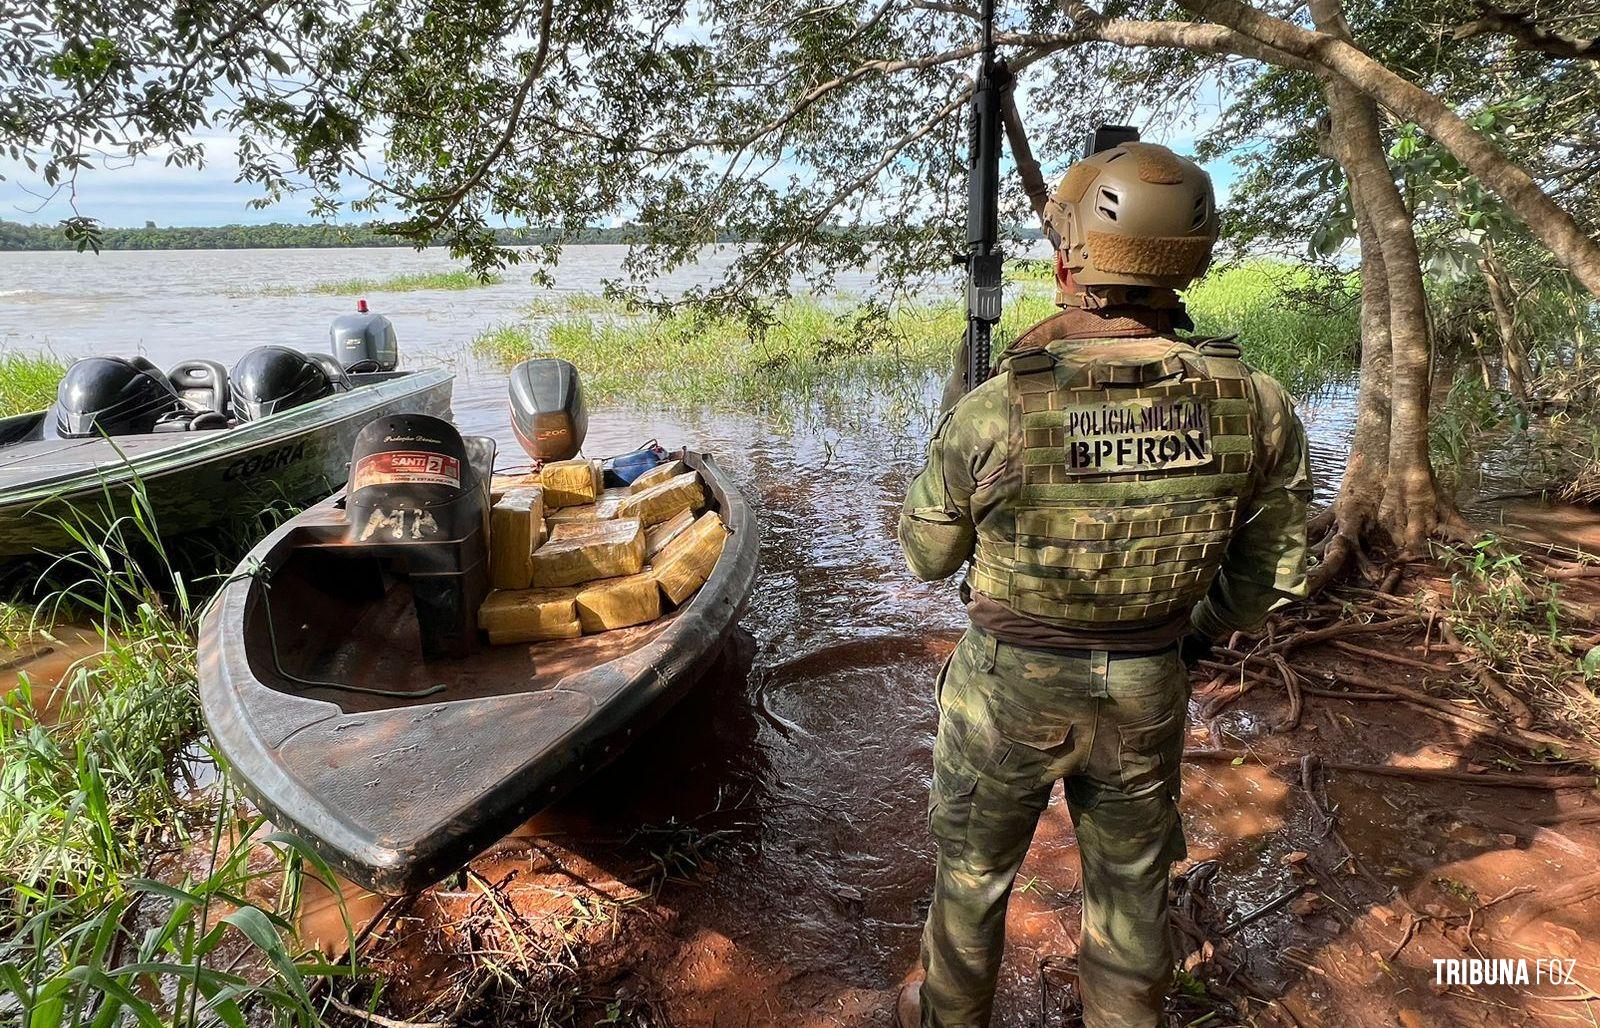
(1132, 464)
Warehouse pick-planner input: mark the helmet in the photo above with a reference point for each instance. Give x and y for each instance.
(1134, 215)
(270, 379)
(113, 395)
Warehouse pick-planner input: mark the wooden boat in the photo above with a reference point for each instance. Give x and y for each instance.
(398, 790)
(195, 480)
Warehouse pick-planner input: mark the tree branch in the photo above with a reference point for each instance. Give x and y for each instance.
(1528, 34)
(1033, 182)
(452, 199)
(1557, 229)
(1091, 25)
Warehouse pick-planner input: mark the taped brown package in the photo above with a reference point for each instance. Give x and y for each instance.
(611, 550)
(657, 537)
(660, 502)
(687, 561)
(499, 485)
(514, 524)
(568, 630)
(658, 474)
(605, 507)
(530, 615)
(618, 602)
(568, 483)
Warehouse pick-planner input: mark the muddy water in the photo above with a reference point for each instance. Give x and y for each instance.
(45, 661)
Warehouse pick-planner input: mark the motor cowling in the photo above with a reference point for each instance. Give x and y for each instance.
(364, 341)
(112, 396)
(270, 379)
(414, 494)
(547, 412)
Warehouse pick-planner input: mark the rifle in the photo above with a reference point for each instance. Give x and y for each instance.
(983, 259)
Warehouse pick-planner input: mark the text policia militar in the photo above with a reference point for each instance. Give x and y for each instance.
(1135, 435)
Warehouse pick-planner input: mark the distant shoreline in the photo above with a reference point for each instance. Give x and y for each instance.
(17, 237)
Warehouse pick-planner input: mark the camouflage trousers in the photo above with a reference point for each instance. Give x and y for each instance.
(1012, 721)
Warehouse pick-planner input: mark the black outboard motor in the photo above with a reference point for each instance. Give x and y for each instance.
(547, 408)
(114, 396)
(270, 379)
(414, 494)
(364, 341)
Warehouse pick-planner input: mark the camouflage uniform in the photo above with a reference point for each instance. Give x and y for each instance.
(1013, 719)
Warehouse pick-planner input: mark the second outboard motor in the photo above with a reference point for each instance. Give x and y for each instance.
(414, 494)
(114, 396)
(364, 341)
(270, 379)
(547, 410)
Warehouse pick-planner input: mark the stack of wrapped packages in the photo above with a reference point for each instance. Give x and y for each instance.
(569, 558)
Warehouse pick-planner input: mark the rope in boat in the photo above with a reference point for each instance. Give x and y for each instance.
(261, 573)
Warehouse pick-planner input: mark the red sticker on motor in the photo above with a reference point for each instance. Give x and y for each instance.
(409, 467)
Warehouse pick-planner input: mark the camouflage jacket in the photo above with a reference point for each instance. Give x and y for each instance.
(964, 485)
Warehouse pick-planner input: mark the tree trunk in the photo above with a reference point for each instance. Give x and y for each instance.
(1502, 298)
(1331, 49)
(1352, 518)
(1396, 380)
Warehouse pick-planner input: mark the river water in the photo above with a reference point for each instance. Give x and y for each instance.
(817, 743)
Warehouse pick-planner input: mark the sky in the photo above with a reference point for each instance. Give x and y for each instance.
(130, 193)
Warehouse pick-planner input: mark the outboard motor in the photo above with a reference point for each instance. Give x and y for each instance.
(270, 379)
(547, 409)
(114, 396)
(364, 341)
(414, 494)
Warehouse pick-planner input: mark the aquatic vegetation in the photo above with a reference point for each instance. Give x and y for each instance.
(577, 303)
(1293, 323)
(686, 359)
(28, 381)
(128, 897)
(804, 348)
(454, 281)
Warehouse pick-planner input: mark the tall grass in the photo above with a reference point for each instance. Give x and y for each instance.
(1295, 325)
(809, 349)
(127, 899)
(28, 381)
(438, 280)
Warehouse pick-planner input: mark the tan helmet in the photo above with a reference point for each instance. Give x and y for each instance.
(1134, 215)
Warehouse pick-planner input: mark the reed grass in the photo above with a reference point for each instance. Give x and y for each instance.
(807, 348)
(1299, 326)
(28, 381)
(126, 898)
(452, 281)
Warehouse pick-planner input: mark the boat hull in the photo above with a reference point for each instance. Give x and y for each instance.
(396, 793)
(198, 481)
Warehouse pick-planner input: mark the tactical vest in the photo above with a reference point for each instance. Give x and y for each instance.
(1130, 460)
